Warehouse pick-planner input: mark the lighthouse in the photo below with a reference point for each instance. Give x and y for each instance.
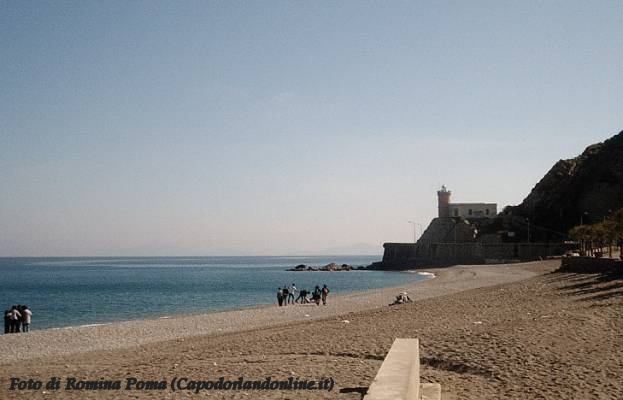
(468, 211)
(443, 202)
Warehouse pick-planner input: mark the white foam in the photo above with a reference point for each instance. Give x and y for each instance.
(90, 325)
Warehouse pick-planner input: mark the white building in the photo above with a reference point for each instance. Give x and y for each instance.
(464, 210)
(473, 210)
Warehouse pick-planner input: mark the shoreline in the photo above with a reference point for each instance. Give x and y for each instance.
(129, 334)
(156, 316)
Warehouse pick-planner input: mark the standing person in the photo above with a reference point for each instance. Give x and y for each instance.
(302, 297)
(14, 316)
(7, 321)
(293, 292)
(325, 293)
(280, 297)
(316, 295)
(285, 295)
(23, 317)
(19, 318)
(26, 317)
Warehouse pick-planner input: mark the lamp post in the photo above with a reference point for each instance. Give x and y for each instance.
(414, 230)
(414, 238)
(582, 217)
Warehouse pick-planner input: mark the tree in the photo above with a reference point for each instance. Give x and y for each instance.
(609, 234)
(617, 222)
(581, 234)
(599, 235)
(603, 234)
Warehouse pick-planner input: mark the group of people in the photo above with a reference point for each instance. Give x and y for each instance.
(17, 319)
(291, 295)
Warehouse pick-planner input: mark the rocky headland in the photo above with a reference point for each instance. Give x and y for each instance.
(584, 189)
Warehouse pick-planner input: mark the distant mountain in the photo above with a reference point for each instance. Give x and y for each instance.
(582, 189)
(356, 249)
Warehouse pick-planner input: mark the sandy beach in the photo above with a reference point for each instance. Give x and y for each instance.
(487, 332)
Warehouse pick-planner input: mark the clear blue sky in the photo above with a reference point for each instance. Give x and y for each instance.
(270, 127)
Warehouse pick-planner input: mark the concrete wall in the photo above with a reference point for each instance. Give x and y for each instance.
(422, 254)
(448, 230)
(399, 255)
(591, 265)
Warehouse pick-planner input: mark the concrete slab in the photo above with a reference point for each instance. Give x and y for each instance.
(399, 375)
(430, 391)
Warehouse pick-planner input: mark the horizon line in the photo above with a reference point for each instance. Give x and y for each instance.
(201, 256)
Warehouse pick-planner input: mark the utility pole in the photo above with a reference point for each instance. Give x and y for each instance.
(414, 233)
(582, 217)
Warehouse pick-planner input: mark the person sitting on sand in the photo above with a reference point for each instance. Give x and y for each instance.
(325, 293)
(26, 318)
(402, 298)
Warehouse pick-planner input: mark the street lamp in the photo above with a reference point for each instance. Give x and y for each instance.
(414, 231)
(582, 217)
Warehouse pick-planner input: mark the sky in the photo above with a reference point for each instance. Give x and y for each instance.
(286, 127)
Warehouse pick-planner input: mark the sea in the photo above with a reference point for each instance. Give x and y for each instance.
(65, 292)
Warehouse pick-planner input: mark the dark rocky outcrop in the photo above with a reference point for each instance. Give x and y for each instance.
(328, 267)
(586, 188)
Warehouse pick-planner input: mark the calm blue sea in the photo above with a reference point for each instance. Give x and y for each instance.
(77, 291)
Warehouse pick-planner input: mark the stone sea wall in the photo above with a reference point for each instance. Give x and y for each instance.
(425, 254)
(591, 265)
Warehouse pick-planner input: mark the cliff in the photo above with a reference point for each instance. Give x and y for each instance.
(585, 188)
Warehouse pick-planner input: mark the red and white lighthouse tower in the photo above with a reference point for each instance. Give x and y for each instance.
(443, 202)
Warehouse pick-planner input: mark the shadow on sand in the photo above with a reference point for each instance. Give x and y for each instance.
(590, 286)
